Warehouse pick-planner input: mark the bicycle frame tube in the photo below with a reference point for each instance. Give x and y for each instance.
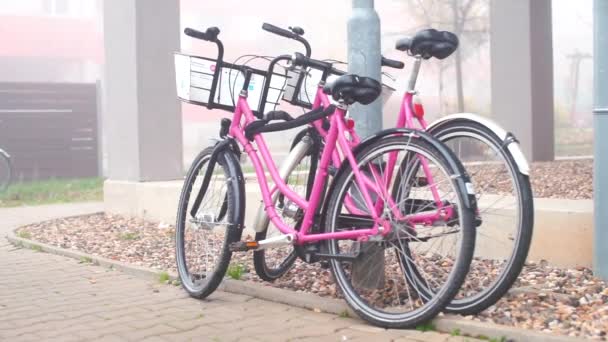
(335, 137)
(322, 100)
(404, 120)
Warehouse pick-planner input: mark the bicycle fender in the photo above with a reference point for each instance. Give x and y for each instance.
(511, 143)
(224, 149)
(310, 131)
(237, 181)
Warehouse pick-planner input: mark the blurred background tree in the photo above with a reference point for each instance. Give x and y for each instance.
(468, 19)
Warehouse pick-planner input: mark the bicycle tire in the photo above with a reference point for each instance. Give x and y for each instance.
(475, 304)
(232, 209)
(432, 306)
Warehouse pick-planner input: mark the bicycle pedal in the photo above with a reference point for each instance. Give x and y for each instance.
(243, 246)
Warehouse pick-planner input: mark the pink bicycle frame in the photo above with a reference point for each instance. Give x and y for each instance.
(405, 120)
(335, 137)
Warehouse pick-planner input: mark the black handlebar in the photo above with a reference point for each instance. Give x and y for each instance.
(299, 59)
(391, 63)
(279, 31)
(295, 33)
(210, 35)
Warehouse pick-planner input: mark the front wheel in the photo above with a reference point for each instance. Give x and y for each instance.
(377, 278)
(202, 240)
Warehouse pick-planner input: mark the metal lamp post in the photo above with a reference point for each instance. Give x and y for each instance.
(600, 176)
(364, 59)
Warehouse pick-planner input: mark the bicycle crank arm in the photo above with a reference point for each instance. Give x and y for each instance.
(340, 257)
(273, 242)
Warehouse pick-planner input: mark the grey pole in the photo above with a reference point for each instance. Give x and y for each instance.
(364, 60)
(600, 176)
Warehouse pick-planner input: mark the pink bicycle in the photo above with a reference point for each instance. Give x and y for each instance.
(355, 215)
(491, 156)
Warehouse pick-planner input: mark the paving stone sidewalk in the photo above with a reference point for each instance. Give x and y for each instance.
(46, 297)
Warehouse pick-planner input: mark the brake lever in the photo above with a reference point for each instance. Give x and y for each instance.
(297, 30)
(393, 78)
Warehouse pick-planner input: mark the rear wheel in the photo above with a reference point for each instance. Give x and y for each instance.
(272, 264)
(6, 171)
(377, 279)
(203, 239)
(506, 214)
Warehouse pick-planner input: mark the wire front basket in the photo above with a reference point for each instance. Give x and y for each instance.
(302, 84)
(202, 82)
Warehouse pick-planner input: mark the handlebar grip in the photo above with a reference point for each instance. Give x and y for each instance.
(210, 35)
(337, 72)
(278, 31)
(392, 63)
(301, 60)
(195, 33)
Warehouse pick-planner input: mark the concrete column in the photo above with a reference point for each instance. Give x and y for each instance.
(364, 54)
(522, 73)
(142, 115)
(600, 177)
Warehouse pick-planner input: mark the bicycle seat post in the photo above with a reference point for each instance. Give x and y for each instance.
(414, 76)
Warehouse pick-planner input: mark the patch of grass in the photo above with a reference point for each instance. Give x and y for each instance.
(426, 327)
(235, 271)
(344, 314)
(24, 235)
(128, 236)
(163, 277)
(86, 260)
(455, 332)
(52, 191)
(36, 248)
(498, 339)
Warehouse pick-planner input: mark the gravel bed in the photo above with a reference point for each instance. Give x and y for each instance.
(571, 179)
(566, 301)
